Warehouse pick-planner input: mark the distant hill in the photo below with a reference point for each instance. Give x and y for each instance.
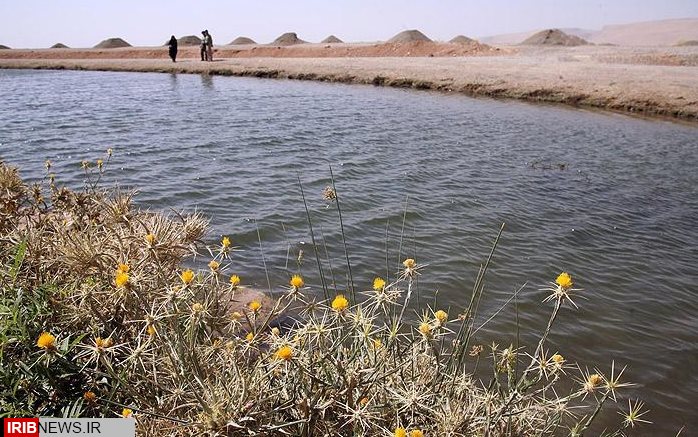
(508, 38)
(2, 47)
(59, 45)
(649, 33)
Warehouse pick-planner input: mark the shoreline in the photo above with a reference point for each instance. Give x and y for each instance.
(616, 79)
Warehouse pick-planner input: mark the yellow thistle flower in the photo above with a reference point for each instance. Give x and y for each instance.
(379, 284)
(225, 242)
(400, 432)
(275, 331)
(121, 279)
(197, 307)
(123, 268)
(564, 280)
(377, 343)
(425, 329)
(187, 276)
(100, 163)
(340, 303)
(284, 353)
(409, 263)
(558, 360)
(236, 316)
(103, 343)
(89, 396)
(235, 280)
(151, 330)
(150, 239)
(110, 151)
(126, 413)
(254, 306)
(214, 265)
(416, 433)
(593, 381)
(46, 341)
(441, 316)
(85, 164)
(249, 337)
(297, 281)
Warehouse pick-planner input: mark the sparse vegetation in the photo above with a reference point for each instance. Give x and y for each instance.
(101, 317)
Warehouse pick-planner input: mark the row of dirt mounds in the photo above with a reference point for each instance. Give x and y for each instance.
(332, 40)
(409, 43)
(59, 45)
(402, 49)
(241, 40)
(553, 37)
(112, 43)
(286, 39)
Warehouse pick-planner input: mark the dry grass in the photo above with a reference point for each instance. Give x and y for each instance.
(101, 318)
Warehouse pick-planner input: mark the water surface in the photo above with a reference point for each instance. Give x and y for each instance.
(609, 198)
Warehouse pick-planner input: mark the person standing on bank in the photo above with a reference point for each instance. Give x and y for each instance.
(209, 46)
(173, 48)
(204, 51)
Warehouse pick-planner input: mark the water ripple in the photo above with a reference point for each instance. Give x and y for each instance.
(620, 216)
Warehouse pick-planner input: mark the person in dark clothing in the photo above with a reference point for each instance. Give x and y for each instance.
(173, 48)
(204, 46)
(209, 46)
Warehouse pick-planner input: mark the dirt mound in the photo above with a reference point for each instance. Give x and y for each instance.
(331, 39)
(287, 39)
(460, 39)
(553, 37)
(241, 40)
(189, 40)
(112, 43)
(686, 43)
(59, 45)
(2, 47)
(409, 36)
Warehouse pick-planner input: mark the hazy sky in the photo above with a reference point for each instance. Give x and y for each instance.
(84, 23)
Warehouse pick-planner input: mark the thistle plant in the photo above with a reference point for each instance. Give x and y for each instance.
(103, 314)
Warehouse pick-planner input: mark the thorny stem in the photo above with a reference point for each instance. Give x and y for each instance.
(539, 348)
(595, 413)
(264, 261)
(344, 240)
(312, 236)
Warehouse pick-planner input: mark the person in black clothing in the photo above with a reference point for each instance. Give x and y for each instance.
(173, 48)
